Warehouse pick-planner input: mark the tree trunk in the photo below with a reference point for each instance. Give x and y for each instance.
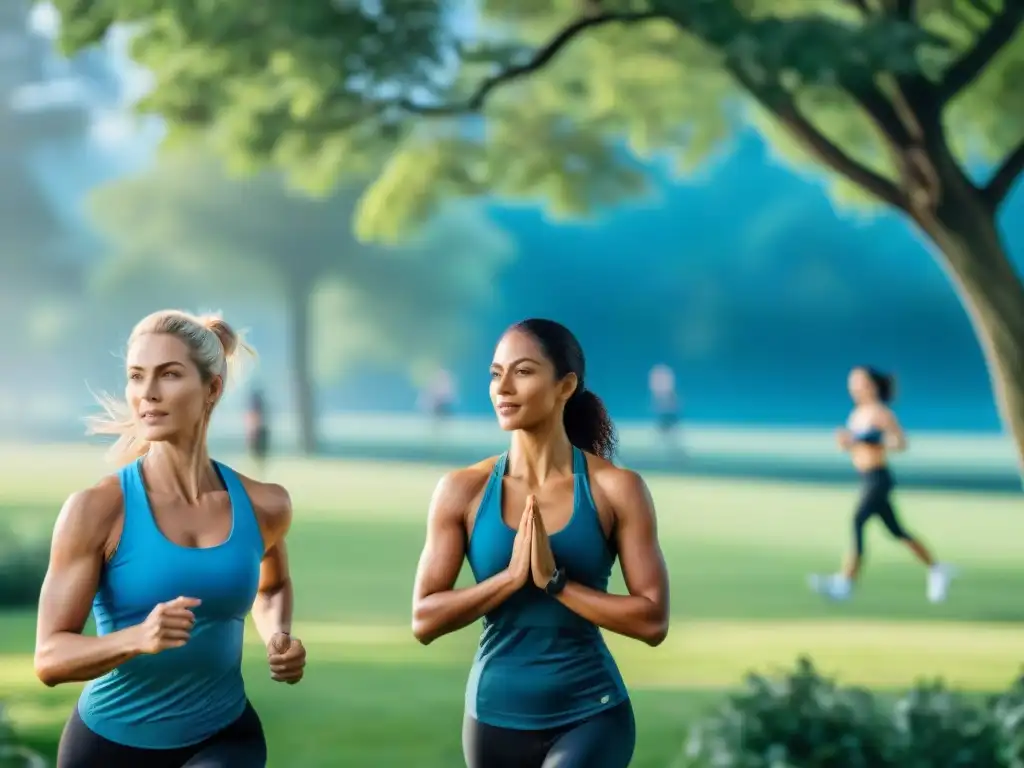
(299, 303)
(964, 229)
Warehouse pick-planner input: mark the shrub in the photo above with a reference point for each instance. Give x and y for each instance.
(804, 720)
(22, 568)
(801, 720)
(1007, 711)
(938, 728)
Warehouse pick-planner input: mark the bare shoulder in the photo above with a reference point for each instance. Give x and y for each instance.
(271, 503)
(457, 490)
(92, 517)
(624, 489)
(876, 411)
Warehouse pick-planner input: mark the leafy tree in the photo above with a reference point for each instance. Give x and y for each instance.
(185, 220)
(901, 100)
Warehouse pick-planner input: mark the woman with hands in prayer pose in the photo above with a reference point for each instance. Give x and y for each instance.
(542, 526)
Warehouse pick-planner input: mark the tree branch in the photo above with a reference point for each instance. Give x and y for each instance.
(895, 120)
(543, 56)
(776, 101)
(780, 104)
(1002, 180)
(540, 59)
(1001, 30)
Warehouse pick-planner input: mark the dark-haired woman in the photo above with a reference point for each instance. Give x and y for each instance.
(872, 430)
(541, 526)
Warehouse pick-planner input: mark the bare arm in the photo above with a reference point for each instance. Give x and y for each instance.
(275, 598)
(643, 614)
(437, 608)
(895, 437)
(77, 552)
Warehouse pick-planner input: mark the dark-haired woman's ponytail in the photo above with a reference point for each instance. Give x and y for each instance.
(588, 424)
(887, 388)
(885, 384)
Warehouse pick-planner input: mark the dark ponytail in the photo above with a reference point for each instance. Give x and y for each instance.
(586, 420)
(885, 384)
(588, 424)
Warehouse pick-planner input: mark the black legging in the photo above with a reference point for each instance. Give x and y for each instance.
(240, 745)
(604, 740)
(876, 486)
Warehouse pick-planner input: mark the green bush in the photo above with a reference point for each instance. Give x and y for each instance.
(804, 720)
(938, 728)
(801, 720)
(22, 568)
(1008, 713)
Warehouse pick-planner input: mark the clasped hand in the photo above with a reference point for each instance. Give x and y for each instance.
(287, 658)
(532, 557)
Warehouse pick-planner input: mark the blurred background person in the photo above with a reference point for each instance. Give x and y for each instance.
(661, 381)
(437, 398)
(257, 430)
(872, 430)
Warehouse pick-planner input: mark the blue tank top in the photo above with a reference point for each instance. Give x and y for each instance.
(539, 665)
(863, 432)
(181, 696)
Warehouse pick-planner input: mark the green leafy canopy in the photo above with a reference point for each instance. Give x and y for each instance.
(540, 99)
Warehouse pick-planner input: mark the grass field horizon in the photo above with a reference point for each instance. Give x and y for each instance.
(738, 552)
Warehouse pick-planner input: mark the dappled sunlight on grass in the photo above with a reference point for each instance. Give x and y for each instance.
(871, 653)
(705, 654)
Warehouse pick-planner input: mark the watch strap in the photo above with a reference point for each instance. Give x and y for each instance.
(557, 582)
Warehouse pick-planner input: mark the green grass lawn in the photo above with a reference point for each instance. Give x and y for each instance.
(738, 552)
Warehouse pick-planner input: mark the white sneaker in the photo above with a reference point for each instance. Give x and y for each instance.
(834, 586)
(940, 576)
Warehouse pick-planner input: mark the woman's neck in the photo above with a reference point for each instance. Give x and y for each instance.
(537, 454)
(182, 470)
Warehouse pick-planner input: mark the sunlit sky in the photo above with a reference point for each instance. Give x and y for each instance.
(112, 123)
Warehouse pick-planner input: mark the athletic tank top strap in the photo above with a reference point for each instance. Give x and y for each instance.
(586, 520)
(138, 527)
(489, 511)
(583, 497)
(246, 528)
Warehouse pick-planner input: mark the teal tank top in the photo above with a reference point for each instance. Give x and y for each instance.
(181, 696)
(539, 665)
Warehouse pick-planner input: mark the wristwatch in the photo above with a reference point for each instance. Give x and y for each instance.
(557, 582)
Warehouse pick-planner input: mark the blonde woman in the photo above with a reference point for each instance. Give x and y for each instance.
(170, 553)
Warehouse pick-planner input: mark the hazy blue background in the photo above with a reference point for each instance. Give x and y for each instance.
(744, 279)
(754, 289)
